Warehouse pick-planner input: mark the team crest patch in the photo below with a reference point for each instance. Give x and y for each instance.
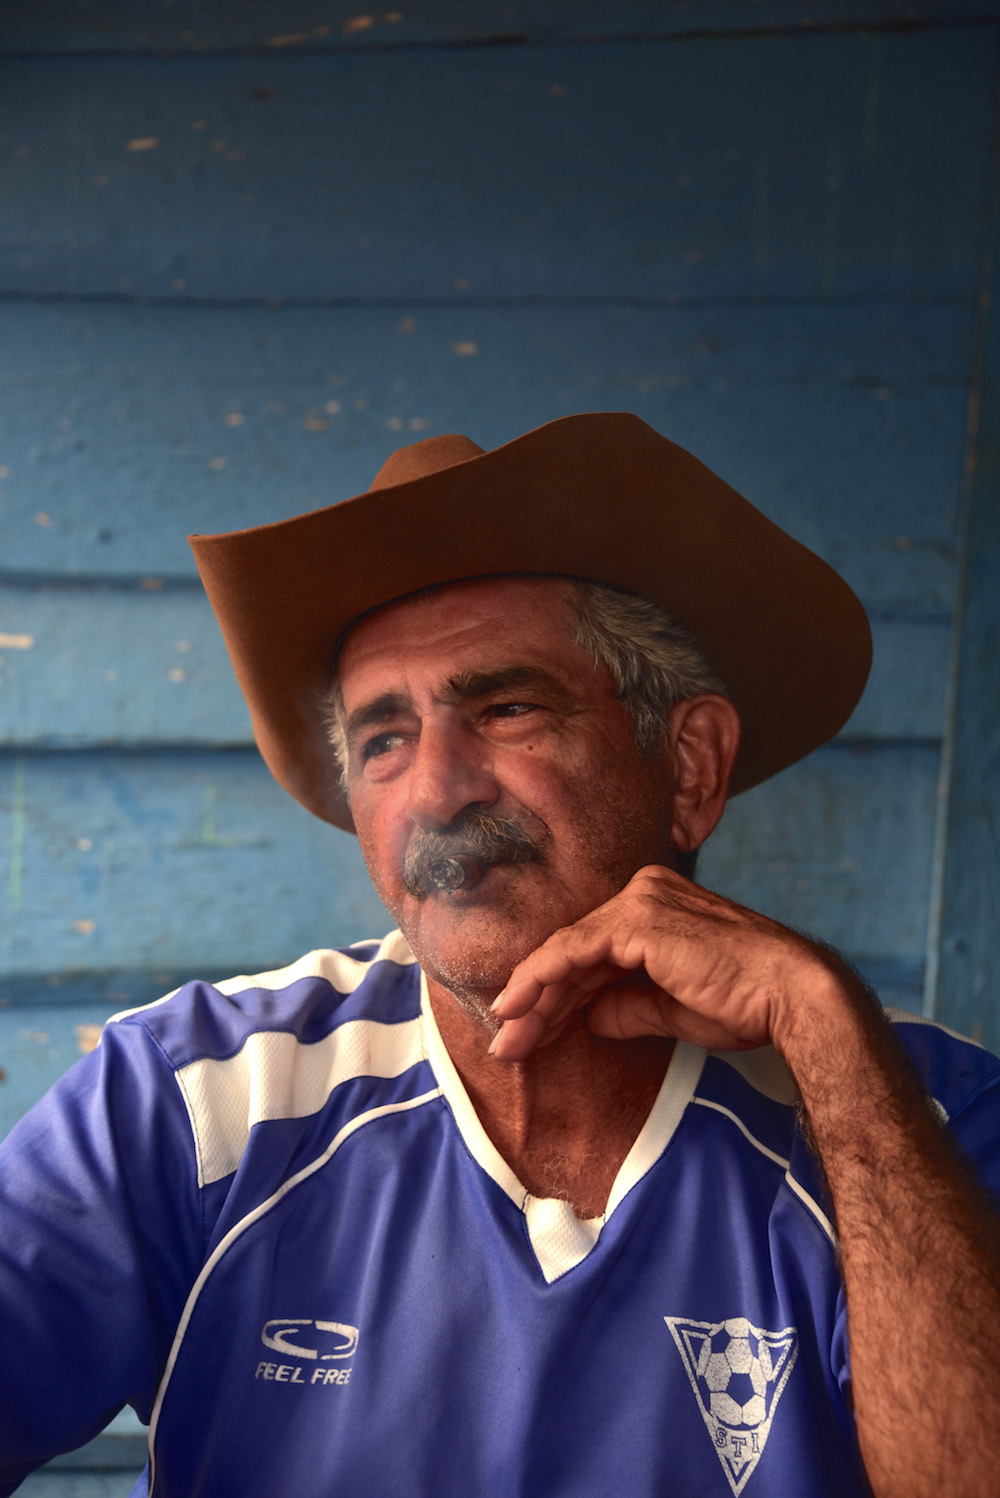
(738, 1373)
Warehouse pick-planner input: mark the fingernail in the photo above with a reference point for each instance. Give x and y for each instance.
(493, 1044)
(499, 999)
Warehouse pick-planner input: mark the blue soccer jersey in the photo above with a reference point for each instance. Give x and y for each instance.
(265, 1214)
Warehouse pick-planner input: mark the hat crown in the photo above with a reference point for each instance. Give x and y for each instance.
(422, 458)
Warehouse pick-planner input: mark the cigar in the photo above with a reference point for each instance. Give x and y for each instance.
(456, 872)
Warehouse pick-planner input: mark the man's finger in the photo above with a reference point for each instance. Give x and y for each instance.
(546, 991)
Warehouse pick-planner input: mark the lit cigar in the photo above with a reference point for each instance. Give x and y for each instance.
(454, 873)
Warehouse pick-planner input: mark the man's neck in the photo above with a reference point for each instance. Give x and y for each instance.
(565, 1119)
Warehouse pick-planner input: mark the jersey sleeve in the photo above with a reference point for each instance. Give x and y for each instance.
(100, 1237)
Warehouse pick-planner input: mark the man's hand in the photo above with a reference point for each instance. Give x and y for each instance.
(666, 957)
(920, 1245)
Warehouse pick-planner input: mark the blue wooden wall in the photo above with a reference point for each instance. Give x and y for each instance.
(248, 249)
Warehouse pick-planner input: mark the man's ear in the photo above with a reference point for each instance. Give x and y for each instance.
(703, 739)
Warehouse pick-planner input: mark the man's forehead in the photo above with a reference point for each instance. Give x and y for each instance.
(517, 602)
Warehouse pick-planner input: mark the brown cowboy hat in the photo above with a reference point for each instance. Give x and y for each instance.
(599, 496)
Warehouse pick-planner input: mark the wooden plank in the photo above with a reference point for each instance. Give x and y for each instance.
(964, 960)
(839, 846)
(200, 864)
(126, 427)
(49, 1482)
(165, 862)
(199, 25)
(784, 166)
(38, 1042)
(87, 667)
(135, 667)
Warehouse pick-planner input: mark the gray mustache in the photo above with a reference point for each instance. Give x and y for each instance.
(476, 835)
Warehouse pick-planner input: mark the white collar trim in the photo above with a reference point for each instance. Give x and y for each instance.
(559, 1239)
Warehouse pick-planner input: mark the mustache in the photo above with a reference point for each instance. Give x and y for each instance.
(476, 835)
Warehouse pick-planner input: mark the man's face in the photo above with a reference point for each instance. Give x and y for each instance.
(476, 696)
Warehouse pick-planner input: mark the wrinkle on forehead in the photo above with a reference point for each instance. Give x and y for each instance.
(463, 684)
(562, 587)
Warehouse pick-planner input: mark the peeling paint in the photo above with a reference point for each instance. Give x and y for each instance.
(17, 835)
(85, 927)
(465, 347)
(16, 642)
(143, 143)
(87, 1037)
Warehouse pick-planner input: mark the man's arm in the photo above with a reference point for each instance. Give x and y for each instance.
(920, 1242)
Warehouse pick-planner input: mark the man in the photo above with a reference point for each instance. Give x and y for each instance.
(533, 1213)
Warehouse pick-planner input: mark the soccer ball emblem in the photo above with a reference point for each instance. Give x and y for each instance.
(738, 1372)
(737, 1367)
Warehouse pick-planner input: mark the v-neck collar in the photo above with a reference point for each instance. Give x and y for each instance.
(559, 1239)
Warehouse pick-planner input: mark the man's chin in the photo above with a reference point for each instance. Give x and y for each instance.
(471, 952)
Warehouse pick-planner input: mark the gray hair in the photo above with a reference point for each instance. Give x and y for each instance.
(653, 662)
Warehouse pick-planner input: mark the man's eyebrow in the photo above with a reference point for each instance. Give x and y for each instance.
(462, 687)
(466, 684)
(376, 711)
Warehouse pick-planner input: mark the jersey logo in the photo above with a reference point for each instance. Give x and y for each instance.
(285, 1333)
(738, 1373)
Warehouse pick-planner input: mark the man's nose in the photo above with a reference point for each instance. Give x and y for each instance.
(450, 771)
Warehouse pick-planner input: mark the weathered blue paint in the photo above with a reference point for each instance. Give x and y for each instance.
(781, 167)
(51, 1482)
(845, 424)
(164, 861)
(37, 1043)
(195, 26)
(142, 668)
(964, 981)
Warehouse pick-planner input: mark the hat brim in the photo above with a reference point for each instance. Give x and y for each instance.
(599, 496)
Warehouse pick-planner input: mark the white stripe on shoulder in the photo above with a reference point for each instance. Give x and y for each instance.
(907, 1017)
(813, 1206)
(341, 969)
(809, 1202)
(765, 1070)
(240, 1228)
(274, 1075)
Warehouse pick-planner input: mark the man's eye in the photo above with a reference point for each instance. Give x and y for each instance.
(382, 743)
(510, 709)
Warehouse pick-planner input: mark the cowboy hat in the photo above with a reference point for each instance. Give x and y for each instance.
(599, 496)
